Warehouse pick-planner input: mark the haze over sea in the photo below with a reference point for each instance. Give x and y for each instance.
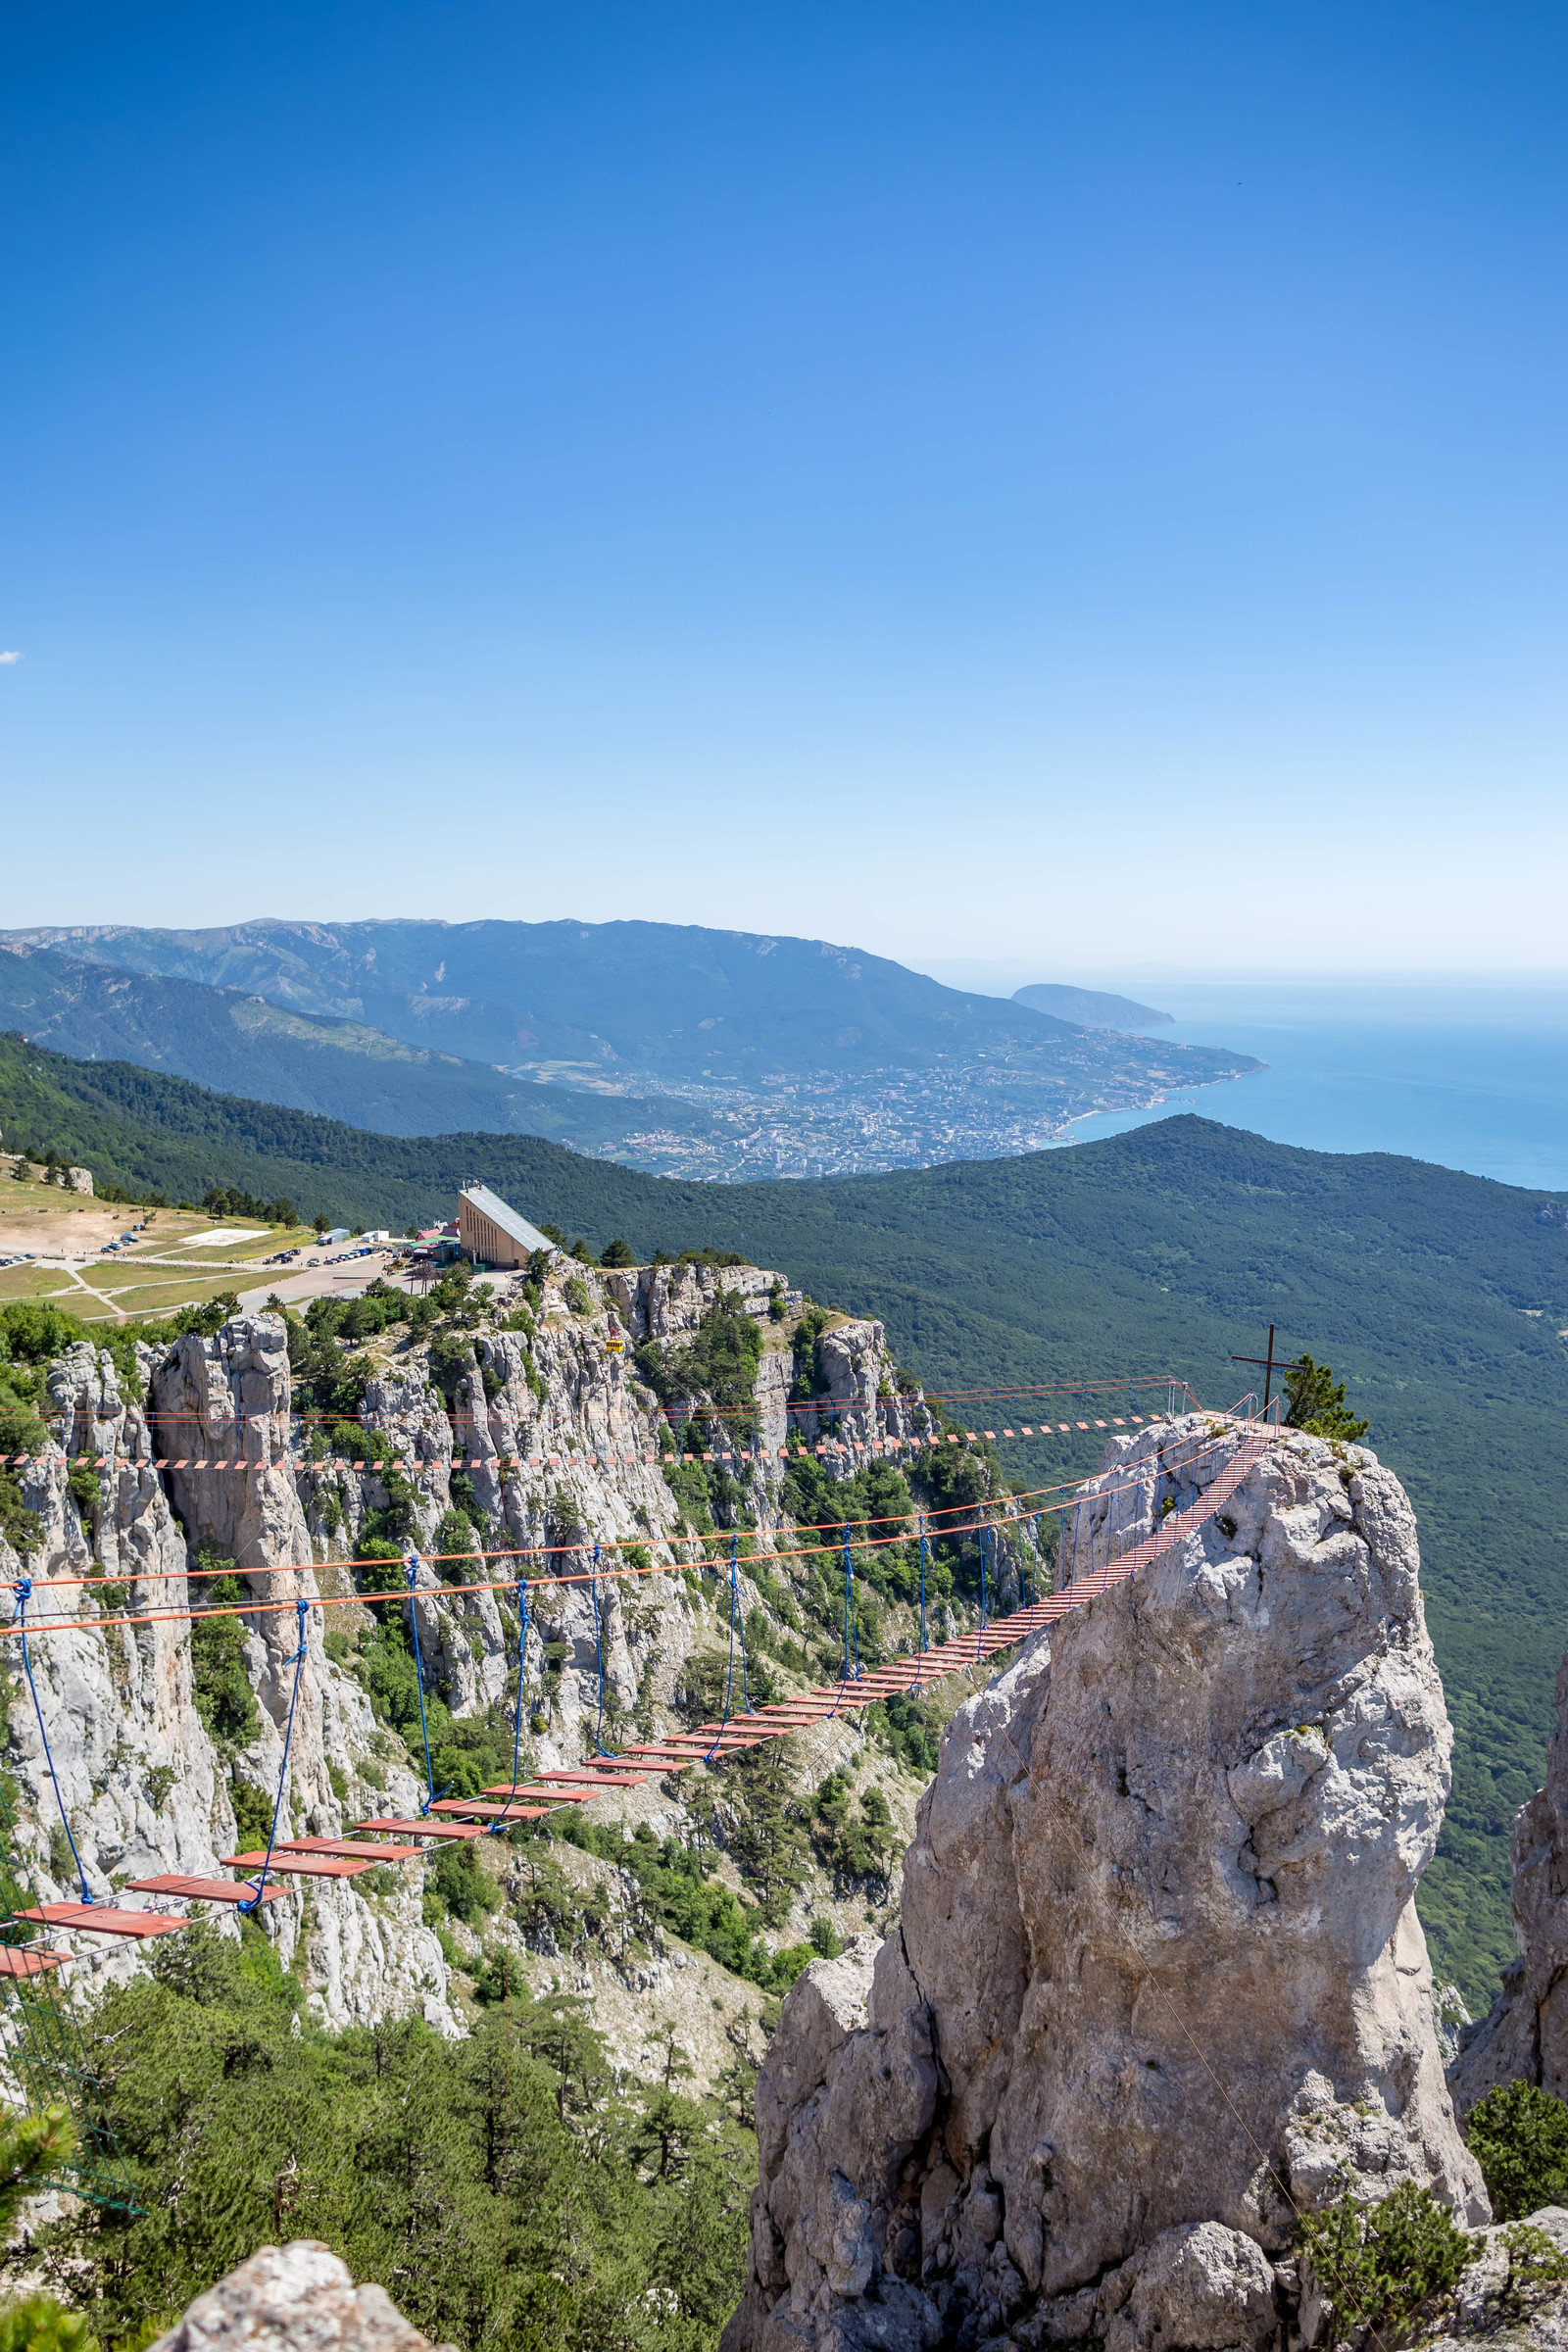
(1471, 1077)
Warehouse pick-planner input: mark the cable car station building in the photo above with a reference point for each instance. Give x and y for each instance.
(492, 1233)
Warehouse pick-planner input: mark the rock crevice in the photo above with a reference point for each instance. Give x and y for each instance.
(1524, 2036)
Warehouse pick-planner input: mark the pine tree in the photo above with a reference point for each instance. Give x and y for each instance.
(767, 1840)
(33, 2149)
(1314, 1402)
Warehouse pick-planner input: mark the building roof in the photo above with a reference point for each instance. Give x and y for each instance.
(491, 1206)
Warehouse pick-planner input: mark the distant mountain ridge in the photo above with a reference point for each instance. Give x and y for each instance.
(1091, 1006)
(662, 1001)
(244, 1045)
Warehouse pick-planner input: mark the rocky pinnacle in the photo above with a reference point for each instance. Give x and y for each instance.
(1158, 1986)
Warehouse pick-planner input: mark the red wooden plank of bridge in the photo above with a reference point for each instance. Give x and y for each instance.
(301, 1866)
(204, 1890)
(423, 1829)
(15, 1960)
(100, 1920)
(348, 1849)
(476, 1811)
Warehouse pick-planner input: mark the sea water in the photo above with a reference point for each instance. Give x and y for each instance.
(1471, 1077)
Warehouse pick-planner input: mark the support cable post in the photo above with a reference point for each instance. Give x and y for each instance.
(522, 1673)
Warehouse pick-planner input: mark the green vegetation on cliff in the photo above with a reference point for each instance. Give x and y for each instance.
(342, 1069)
(506, 2188)
(1438, 1297)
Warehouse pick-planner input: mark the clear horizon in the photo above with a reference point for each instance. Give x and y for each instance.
(977, 487)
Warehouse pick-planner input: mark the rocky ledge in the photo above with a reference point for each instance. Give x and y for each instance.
(295, 2298)
(1159, 1985)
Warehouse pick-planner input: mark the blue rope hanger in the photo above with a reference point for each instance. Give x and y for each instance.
(980, 1638)
(854, 1611)
(924, 1644)
(523, 1674)
(24, 1593)
(729, 1671)
(851, 1630)
(410, 1570)
(297, 1661)
(599, 1653)
(737, 1621)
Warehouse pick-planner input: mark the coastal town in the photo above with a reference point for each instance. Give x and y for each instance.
(851, 1123)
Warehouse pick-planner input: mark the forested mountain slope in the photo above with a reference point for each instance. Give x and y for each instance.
(1441, 1297)
(224, 1038)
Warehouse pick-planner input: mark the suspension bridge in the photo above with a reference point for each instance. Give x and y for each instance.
(35, 1937)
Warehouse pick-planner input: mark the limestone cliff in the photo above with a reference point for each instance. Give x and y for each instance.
(1159, 1977)
(149, 1787)
(144, 1785)
(1524, 2036)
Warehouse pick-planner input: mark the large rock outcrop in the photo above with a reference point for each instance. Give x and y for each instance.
(549, 1435)
(1524, 2036)
(1158, 1978)
(294, 2298)
(146, 1785)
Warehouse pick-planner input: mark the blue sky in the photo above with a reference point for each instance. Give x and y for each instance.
(1083, 485)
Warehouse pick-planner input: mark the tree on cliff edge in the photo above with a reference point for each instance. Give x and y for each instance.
(1314, 1401)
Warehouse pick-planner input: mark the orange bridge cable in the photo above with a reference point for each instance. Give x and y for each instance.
(589, 1446)
(826, 1406)
(540, 1551)
(1067, 1491)
(1068, 1495)
(1174, 1528)
(343, 1601)
(1066, 1498)
(1112, 1385)
(800, 1447)
(537, 1552)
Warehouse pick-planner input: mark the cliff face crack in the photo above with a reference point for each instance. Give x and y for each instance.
(1092, 2164)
